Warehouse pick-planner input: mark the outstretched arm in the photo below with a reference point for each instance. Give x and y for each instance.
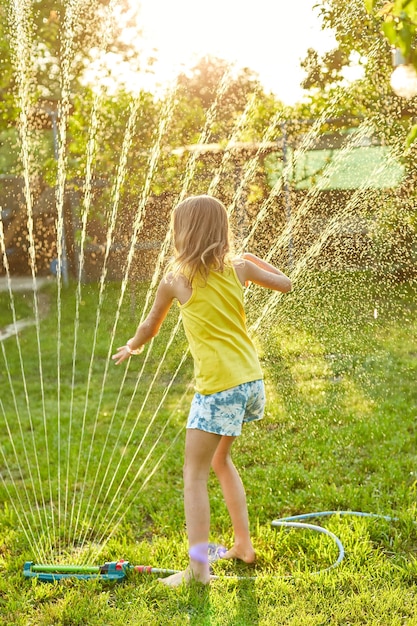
(263, 273)
(150, 326)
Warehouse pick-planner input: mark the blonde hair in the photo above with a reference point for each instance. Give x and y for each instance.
(202, 237)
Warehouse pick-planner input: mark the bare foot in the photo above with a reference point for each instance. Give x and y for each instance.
(187, 576)
(246, 554)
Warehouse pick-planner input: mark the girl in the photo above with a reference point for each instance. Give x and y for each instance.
(208, 283)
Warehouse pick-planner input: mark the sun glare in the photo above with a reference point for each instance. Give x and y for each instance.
(266, 36)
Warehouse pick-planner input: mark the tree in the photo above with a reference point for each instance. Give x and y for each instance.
(45, 48)
(217, 105)
(215, 83)
(49, 44)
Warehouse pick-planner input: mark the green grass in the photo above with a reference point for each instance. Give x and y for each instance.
(339, 434)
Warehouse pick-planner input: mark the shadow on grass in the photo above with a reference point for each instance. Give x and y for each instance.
(242, 608)
(197, 604)
(247, 605)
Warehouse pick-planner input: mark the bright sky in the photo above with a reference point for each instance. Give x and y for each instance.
(268, 36)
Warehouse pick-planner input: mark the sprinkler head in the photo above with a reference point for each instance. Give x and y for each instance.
(115, 570)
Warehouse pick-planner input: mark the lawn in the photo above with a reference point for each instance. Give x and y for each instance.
(91, 460)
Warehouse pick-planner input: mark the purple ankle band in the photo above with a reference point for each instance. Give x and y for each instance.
(199, 552)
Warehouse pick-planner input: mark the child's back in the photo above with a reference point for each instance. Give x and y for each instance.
(215, 324)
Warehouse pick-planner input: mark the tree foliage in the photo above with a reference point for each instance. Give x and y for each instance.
(399, 24)
(360, 38)
(58, 39)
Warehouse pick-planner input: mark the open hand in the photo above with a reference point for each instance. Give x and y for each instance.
(121, 355)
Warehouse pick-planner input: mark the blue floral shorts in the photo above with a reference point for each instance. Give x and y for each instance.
(224, 413)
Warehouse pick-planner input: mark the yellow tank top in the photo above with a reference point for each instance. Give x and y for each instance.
(215, 325)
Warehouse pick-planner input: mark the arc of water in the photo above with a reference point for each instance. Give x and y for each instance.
(21, 38)
(21, 515)
(91, 148)
(27, 526)
(118, 507)
(67, 51)
(115, 206)
(137, 226)
(58, 394)
(25, 389)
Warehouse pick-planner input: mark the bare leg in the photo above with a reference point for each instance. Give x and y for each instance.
(200, 447)
(235, 498)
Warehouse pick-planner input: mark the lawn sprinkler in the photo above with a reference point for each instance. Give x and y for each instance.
(112, 571)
